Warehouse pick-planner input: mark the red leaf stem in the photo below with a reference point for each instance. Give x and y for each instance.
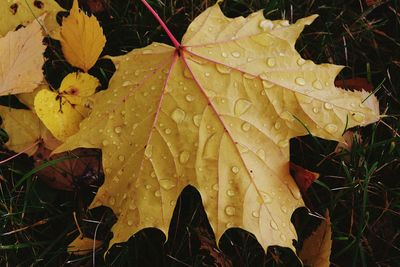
(170, 35)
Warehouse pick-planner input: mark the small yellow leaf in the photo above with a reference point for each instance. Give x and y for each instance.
(316, 249)
(57, 114)
(23, 12)
(77, 86)
(21, 54)
(82, 38)
(62, 112)
(83, 245)
(24, 129)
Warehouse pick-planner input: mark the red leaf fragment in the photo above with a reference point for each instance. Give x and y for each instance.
(303, 177)
(355, 83)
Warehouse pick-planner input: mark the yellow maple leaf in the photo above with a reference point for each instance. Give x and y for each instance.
(25, 131)
(63, 111)
(317, 247)
(21, 54)
(23, 12)
(81, 38)
(83, 245)
(216, 112)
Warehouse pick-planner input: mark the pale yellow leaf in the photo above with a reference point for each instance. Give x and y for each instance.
(316, 248)
(63, 111)
(82, 38)
(25, 130)
(23, 12)
(84, 245)
(218, 115)
(21, 54)
(77, 86)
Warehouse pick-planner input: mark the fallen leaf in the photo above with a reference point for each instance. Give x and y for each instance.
(355, 83)
(217, 112)
(96, 6)
(83, 245)
(348, 139)
(69, 173)
(21, 54)
(81, 38)
(22, 12)
(316, 249)
(25, 131)
(63, 111)
(303, 177)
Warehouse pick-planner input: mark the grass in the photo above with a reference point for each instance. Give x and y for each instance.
(360, 187)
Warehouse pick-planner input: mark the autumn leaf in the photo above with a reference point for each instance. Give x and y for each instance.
(63, 111)
(78, 169)
(316, 248)
(355, 83)
(82, 38)
(25, 131)
(303, 177)
(21, 54)
(23, 12)
(215, 112)
(84, 245)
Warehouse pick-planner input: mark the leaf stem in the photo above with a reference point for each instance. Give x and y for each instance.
(170, 35)
(19, 153)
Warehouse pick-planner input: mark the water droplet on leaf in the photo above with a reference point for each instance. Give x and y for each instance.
(118, 129)
(127, 83)
(273, 225)
(215, 187)
(246, 126)
(358, 116)
(331, 128)
(236, 54)
(148, 152)
(241, 106)
(184, 157)
(197, 120)
(178, 115)
(235, 169)
(230, 211)
(328, 106)
(167, 184)
(230, 192)
(317, 85)
(300, 81)
(266, 25)
(271, 62)
(300, 61)
(223, 69)
(189, 98)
